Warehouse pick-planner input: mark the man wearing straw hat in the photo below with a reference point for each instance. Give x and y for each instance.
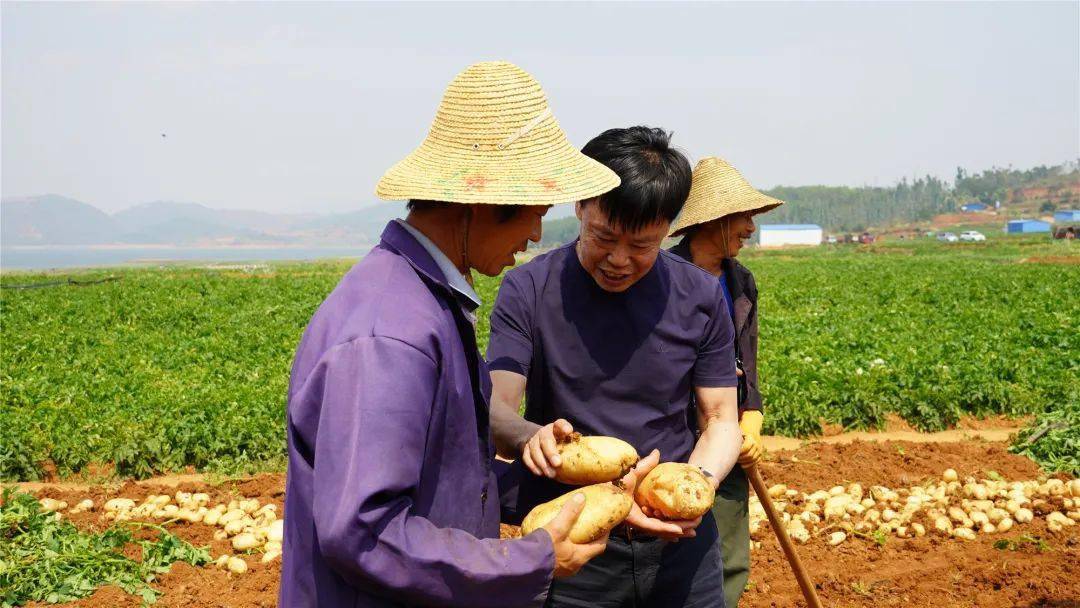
(612, 335)
(390, 453)
(715, 224)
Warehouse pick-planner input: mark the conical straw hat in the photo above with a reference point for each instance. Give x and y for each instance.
(718, 189)
(494, 141)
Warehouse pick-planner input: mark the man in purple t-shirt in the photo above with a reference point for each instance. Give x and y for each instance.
(611, 335)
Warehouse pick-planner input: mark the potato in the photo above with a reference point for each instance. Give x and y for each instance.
(591, 460)
(245, 541)
(964, 533)
(606, 506)
(676, 490)
(236, 565)
(276, 531)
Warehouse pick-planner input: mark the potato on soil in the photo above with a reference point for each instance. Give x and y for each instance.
(606, 506)
(676, 490)
(589, 460)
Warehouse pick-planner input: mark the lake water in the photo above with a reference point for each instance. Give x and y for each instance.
(44, 258)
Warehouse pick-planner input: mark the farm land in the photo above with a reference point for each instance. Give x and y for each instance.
(176, 376)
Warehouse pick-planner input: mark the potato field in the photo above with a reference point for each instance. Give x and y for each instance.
(179, 373)
(163, 369)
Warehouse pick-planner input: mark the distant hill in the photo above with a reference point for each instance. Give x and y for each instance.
(54, 220)
(557, 232)
(844, 209)
(366, 223)
(141, 217)
(1021, 192)
(189, 232)
(57, 220)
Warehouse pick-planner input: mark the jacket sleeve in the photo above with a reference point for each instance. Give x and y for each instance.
(376, 401)
(748, 350)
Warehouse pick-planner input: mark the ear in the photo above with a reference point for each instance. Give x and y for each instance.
(579, 208)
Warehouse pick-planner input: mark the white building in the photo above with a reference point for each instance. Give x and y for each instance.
(778, 235)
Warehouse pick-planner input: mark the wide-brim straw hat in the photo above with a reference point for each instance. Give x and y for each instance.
(718, 189)
(494, 141)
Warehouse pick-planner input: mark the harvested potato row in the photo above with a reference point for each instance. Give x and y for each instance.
(588, 460)
(250, 525)
(606, 506)
(953, 507)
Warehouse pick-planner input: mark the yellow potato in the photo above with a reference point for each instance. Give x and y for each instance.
(606, 506)
(675, 490)
(589, 460)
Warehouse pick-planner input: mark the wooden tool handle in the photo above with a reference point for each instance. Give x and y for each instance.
(781, 535)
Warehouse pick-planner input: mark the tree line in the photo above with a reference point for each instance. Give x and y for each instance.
(854, 209)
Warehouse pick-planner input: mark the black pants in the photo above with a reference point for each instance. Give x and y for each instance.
(649, 573)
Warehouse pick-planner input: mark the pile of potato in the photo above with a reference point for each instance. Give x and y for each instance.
(671, 490)
(947, 507)
(250, 525)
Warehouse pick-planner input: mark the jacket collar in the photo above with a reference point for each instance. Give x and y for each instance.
(397, 239)
(733, 270)
(465, 292)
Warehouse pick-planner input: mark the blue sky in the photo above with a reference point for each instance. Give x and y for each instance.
(302, 106)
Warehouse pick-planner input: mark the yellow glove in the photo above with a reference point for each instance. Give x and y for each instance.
(752, 450)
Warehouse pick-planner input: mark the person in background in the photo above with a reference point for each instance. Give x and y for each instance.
(612, 335)
(390, 451)
(715, 224)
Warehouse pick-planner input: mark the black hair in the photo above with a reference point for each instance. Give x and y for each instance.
(503, 213)
(655, 177)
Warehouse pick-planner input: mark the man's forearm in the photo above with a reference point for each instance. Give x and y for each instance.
(510, 430)
(717, 449)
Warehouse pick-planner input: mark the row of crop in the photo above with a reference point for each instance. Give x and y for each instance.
(154, 372)
(165, 369)
(851, 340)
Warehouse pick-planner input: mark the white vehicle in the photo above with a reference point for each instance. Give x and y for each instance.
(972, 236)
(948, 237)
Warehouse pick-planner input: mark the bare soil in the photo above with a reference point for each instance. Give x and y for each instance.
(915, 573)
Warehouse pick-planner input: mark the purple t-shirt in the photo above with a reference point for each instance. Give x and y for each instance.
(618, 364)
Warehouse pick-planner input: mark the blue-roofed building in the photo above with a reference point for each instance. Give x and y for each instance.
(1027, 226)
(1067, 216)
(778, 235)
(973, 207)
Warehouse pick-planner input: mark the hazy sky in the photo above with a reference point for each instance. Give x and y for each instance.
(301, 107)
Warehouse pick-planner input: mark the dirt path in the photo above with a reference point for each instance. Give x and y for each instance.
(776, 442)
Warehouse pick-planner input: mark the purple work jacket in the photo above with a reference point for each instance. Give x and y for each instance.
(390, 452)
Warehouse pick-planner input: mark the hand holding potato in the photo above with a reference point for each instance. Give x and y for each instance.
(640, 519)
(590, 460)
(571, 556)
(541, 451)
(606, 506)
(676, 491)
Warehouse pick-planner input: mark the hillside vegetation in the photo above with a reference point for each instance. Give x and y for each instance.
(1023, 193)
(1031, 192)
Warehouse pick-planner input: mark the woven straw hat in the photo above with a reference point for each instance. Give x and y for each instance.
(494, 141)
(718, 189)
